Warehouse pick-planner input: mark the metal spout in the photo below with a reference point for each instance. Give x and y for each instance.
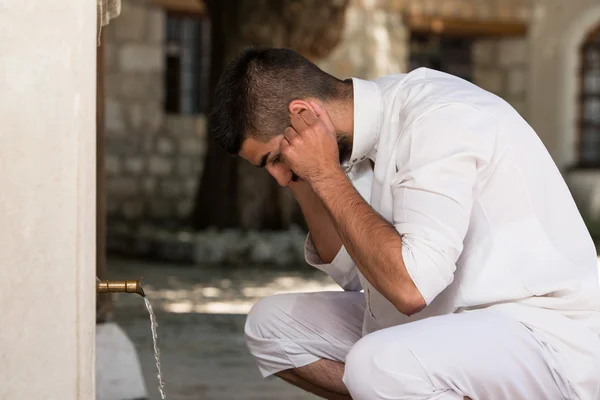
(120, 287)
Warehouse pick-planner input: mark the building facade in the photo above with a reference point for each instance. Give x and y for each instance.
(542, 56)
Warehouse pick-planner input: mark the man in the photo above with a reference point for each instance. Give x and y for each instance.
(436, 200)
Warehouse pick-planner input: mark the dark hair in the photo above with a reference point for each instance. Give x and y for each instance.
(254, 92)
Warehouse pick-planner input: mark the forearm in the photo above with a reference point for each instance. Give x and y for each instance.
(372, 242)
(323, 232)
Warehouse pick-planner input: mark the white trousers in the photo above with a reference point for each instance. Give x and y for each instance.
(480, 354)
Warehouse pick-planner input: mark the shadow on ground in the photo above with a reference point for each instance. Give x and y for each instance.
(201, 313)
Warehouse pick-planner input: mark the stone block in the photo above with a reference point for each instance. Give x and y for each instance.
(524, 12)
(489, 79)
(149, 185)
(131, 24)
(185, 166)
(112, 205)
(140, 58)
(184, 208)
(114, 120)
(112, 84)
(201, 126)
(165, 145)
(517, 81)
(175, 124)
(110, 56)
(512, 52)
(135, 116)
(142, 87)
(171, 188)
(483, 52)
(156, 26)
(121, 144)
(133, 209)
(520, 105)
(122, 187)
(134, 165)
(159, 208)
(189, 185)
(159, 166)
(153, 117)
(193, 146)
(484, 10)
(132, 86)
(112, 164)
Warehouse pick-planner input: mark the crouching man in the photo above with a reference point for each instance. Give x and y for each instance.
(467, 268)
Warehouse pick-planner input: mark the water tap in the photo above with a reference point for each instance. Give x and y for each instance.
(131, 286)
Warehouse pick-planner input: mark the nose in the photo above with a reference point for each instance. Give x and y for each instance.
(282, 175)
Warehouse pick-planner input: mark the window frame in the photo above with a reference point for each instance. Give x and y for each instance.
(202, 83)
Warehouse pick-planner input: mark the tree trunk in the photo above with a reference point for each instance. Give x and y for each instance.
(231, 192)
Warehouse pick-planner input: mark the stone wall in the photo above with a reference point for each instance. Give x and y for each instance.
(481, 10)
(153, 160)
(374, 43)
(501, 67)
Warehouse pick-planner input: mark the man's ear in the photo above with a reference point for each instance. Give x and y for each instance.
(297, 106)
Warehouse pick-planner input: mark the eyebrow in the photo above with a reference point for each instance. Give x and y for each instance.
(263, 160)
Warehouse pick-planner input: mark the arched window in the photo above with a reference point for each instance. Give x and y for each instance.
(589, 97)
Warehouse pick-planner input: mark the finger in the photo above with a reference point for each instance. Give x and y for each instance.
(298, 123)
(309, 117)
(290, 134)
(284, 150)
(283, 145)
(322, 114)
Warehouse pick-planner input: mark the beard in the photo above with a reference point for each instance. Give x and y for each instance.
(344, 148)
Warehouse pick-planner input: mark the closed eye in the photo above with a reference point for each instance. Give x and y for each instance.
(276, 159)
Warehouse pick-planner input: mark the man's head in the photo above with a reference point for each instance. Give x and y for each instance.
(258, 92)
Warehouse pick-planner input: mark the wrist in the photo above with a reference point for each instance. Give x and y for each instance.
(328, 180)
(300, 189)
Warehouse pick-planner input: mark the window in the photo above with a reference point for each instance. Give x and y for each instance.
(589, 114)
(187, 64)
(451, 54)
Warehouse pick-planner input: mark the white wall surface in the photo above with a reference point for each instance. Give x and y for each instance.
(47, 196)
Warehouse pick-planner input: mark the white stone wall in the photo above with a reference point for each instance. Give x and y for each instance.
(47, 200)
(374, 43)
(153, 160)
(557, 31)
(501, 67)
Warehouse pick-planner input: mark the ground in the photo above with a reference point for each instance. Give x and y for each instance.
(201, 312)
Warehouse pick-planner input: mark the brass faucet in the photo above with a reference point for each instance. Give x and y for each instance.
(131, 286)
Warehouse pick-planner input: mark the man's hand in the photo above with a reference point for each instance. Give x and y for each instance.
(311, 148)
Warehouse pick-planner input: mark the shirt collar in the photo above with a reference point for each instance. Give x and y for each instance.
(368, 107)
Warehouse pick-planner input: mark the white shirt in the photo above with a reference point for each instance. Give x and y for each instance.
(485, 216)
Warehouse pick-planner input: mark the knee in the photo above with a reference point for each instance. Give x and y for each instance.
(359, 369)
(380, 367)
(265, 319)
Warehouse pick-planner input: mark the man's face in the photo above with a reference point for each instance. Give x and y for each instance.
(267, 155)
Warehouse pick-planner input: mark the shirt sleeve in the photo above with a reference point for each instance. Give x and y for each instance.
(342, 268)
(433, 190)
